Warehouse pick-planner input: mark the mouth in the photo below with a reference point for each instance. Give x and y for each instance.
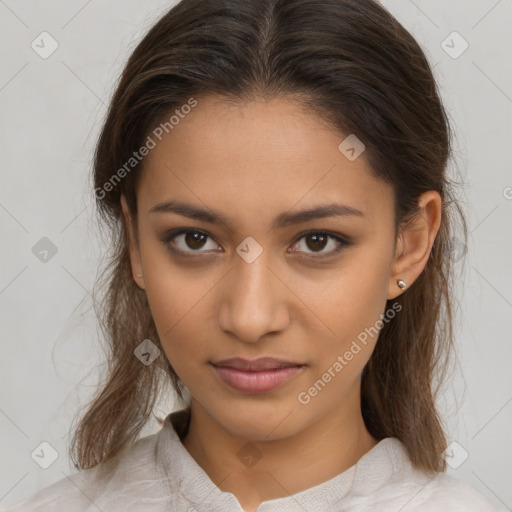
(257, 375)
(261, 364)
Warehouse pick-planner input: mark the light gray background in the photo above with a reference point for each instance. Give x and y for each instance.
(51, 112)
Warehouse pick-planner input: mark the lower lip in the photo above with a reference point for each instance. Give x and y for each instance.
(256, 381)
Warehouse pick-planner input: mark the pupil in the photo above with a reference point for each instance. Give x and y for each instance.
(194, 240)
(316, 245)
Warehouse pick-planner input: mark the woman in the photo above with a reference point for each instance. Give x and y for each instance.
(274, 177)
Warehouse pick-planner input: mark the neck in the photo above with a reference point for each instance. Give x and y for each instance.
(256, 471)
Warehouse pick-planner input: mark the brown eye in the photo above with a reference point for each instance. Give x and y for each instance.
(194, 240)
(189, 241)
(317, 241)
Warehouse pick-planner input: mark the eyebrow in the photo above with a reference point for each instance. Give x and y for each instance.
(282, 220)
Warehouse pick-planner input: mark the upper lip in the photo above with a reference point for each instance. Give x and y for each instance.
(262, 363)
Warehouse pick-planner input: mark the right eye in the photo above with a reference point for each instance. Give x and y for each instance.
(187, 241)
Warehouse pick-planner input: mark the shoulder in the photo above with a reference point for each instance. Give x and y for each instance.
(88, 489)
(414, 490)
(452, 495)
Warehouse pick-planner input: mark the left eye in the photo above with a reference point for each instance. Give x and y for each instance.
(318, 240)
(188, 241)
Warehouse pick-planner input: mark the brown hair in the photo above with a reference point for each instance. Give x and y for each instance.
(354, 65)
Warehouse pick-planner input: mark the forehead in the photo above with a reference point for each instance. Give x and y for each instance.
(257, 158)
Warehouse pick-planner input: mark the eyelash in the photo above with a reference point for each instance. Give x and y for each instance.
(170, 235)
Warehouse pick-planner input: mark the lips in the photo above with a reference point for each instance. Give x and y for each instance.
(257, 375)
(261, 364)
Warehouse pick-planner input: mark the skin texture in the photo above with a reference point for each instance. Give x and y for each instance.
(252, 162)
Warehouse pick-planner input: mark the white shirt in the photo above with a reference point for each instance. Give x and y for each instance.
(156, 473)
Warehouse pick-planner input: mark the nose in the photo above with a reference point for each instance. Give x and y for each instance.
(254, 301)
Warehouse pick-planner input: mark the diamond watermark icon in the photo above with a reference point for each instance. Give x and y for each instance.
(249, 455)
(44, 45)
(147, 352)
(44, 455)
(455, 455)
(454, 45)
(44, 249)
(456, 249)
(249, 249)
(351, 147)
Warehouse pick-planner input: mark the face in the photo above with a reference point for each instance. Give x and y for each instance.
(264, 282)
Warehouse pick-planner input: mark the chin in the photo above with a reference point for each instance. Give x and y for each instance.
(258, 422)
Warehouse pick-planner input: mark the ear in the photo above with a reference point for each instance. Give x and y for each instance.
(135, 259)
(414, 243)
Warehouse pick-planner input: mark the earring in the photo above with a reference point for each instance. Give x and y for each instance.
(139, 275)
(401, 284)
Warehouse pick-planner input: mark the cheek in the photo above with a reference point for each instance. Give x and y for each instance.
(172, 292)
(180, 305)
(179, 320)
(351, 305)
